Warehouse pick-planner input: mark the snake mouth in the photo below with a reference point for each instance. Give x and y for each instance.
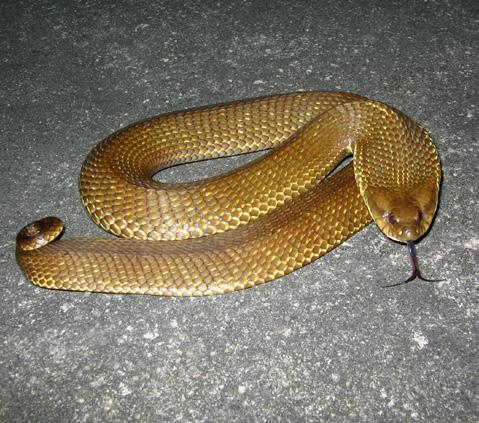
(401, 232)
(39, 233)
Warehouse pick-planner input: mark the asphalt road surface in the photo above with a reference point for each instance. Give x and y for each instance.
(323, 344)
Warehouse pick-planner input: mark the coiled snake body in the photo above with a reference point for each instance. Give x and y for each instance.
(250, 225)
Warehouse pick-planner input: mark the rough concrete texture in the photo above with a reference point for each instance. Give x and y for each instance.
(325, 343)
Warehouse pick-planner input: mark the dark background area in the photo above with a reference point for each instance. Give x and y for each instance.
(325, 343)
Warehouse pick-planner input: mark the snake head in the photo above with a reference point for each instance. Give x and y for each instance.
(39, 233)
(403, 215)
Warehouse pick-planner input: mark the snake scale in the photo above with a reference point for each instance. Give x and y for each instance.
(250, 225)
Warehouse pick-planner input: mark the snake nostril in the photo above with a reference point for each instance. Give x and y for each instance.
(391, 218)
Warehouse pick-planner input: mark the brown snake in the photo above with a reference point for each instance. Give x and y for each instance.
(250, 225)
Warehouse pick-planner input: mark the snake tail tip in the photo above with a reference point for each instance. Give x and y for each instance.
(39, 233)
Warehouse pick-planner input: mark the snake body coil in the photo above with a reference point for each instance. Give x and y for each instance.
(250, 225)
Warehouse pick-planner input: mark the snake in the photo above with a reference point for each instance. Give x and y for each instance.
(302, 197)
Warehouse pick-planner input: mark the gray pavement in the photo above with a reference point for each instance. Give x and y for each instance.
(325, 343)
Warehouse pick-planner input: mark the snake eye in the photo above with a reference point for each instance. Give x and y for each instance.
(391, 218)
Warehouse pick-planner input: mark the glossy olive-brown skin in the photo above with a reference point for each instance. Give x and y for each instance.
(253, 224)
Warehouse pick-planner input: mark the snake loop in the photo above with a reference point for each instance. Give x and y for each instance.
(250, 225)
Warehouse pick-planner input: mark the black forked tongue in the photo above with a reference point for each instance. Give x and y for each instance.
(416, 273)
